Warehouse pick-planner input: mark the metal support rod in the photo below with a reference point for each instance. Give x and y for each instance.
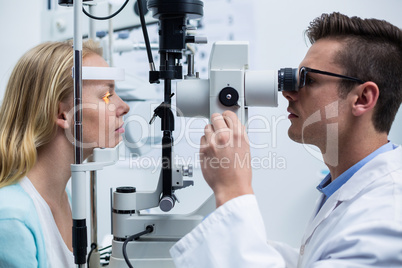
(92, 30)
(110, 37)
(167, 127)
(77, 43)
(94, 260)
(94, 209)
(78, 180)
(190, 65)
(167, 143)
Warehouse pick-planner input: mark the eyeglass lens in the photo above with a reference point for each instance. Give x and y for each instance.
(302, 77)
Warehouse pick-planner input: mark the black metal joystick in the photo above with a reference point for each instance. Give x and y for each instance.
(172, 16)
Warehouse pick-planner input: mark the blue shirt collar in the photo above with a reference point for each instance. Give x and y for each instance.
(328, 188)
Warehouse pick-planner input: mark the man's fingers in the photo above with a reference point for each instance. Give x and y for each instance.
(231, 120)
(203, 143)
(218, 122)
(208, 131)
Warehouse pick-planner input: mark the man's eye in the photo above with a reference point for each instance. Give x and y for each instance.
(106, 97)
(309, 81)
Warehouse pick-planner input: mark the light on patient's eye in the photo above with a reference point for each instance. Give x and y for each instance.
(106, 97)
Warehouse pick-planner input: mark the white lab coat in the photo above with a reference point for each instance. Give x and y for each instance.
(360, 225)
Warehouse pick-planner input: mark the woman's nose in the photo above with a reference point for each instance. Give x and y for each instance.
(123, 108)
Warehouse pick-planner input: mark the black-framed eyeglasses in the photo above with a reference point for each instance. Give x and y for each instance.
(304, 70)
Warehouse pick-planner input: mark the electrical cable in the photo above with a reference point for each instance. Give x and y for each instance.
(148, 229)
(104, 253)
(108, 17)
(93, 247)
(146, 37)
(105, 248)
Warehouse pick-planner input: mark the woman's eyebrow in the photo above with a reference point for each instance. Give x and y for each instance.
(109, 85)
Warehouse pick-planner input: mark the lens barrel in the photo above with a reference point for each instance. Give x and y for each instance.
(192, 9)
(287, 79)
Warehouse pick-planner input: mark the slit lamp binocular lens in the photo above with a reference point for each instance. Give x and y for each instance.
(231, 86)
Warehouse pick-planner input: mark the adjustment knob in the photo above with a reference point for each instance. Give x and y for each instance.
(166, 203)
(229, 96)
(187, 171)
(125, 189)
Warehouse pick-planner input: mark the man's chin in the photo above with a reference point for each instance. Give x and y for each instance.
(296, 137)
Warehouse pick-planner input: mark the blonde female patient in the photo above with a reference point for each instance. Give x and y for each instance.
(36, 151)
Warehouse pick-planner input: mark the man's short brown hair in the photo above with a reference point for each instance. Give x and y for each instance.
(372, 51)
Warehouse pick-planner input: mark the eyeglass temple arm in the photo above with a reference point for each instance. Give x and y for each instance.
(336, 75)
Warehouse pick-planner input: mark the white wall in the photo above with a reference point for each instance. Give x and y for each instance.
(286, 193)
(20, 29)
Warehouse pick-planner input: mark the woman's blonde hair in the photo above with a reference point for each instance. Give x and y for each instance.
(41, 79)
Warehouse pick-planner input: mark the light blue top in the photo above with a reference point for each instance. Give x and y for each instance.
(21, 239)
(328, 188)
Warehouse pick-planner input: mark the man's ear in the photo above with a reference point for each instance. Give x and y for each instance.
(366, 97)
(62, 119)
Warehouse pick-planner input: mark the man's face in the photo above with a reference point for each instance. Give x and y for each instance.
(317, 113)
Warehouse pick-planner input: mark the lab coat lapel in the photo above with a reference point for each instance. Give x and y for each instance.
(319, 217)
(361, 179)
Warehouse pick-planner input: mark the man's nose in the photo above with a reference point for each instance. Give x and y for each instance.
(290, 95)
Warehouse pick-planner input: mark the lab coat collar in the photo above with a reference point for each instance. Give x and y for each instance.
(380, 165)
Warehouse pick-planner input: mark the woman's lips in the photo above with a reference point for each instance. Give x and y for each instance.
(120, 130)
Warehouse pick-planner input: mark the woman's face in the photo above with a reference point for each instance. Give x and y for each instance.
(103, 110)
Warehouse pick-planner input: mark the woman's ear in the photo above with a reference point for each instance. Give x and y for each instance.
(62, 119)
(366, 97)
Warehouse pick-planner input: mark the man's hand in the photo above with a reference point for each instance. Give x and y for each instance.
(225, 157)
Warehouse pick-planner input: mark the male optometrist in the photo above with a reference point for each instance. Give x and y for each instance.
(350, 89)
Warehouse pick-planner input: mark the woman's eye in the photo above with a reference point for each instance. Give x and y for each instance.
(106, 97)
